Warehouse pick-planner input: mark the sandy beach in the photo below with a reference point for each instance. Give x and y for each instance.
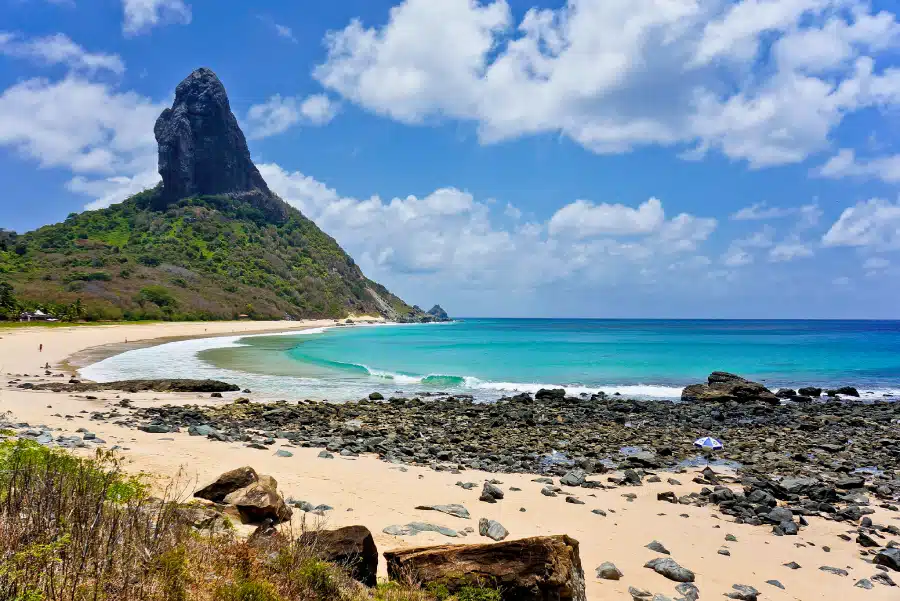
(367, 491)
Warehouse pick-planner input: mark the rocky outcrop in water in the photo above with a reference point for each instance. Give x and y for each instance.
(134, 386)
(722, 387)
(438, 313)
(202, 150)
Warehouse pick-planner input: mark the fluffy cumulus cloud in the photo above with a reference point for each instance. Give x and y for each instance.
(79, 125)
(59, 49)
(846, 164)
(278, 114)
(451, 236)
(143, 15)
(873, 224)
(765, 81)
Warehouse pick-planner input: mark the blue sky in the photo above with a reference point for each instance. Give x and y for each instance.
(625, 158)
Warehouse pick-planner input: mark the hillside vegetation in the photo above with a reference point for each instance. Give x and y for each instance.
(208, 257)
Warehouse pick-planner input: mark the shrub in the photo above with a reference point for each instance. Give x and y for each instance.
(158, 295)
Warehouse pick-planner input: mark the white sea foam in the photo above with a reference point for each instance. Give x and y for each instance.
(630, 390)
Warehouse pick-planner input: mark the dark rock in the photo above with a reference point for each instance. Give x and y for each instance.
(743, 592)
(531, 569)
(658, 547)
(556, 394)
(260, 501)
(490, 493)
(865, 584)
(134, 386)
(608, 571)
(202, 150)
(415, 528)
(844, 390)
(835, 571)
(865, 540)
(455, 510)
(889, 558)
(882, 578)
(227, 483)
(792, 565)
(491, 529)
(666, 566)
(438, 313)
(725, 387)
(668, 497)
(810, 392)
(352, 547)
(573, 478)
(376, 396)
(775, 583)
(688, 590)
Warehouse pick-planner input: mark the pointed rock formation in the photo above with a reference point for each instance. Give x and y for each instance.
(202, 150)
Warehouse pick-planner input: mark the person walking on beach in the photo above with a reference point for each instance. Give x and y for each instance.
(41, 348)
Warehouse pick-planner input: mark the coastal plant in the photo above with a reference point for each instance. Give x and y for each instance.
(81, 529)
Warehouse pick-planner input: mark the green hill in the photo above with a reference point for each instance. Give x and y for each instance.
(206, 257)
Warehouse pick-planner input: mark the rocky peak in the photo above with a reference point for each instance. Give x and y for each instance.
(438, 313)
(202, 150)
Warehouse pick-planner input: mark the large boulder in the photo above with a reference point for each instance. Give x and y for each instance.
(352, 547)
(724, 387)
(227, 483)
(546, 568)
(202, 150)
(259, 502)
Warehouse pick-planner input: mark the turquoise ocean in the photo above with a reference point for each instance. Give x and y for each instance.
(489, 358)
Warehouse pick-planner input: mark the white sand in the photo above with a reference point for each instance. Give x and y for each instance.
(369, 492)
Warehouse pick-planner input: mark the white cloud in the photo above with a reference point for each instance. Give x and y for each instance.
(789, 251)
(79, 125)
(451, 237)
(876, 264)
(110, 190)
(59, 49)
(102, 136)
(278, 114)
(581, 219)
(285, 32)
(143, 15)
(318, 109)
(282, 31)
(614, 75)
(846, 164)
(760, 211)
(807, 215)
(738, 253)
(873, 223)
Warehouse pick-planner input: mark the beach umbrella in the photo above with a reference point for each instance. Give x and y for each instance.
(709, 443)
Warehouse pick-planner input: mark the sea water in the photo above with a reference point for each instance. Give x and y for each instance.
(489, 358)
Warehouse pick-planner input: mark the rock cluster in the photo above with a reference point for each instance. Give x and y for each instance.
(255, 497)
(135, 386)
(553, 434)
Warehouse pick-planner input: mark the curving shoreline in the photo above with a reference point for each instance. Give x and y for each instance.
(379, 494)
